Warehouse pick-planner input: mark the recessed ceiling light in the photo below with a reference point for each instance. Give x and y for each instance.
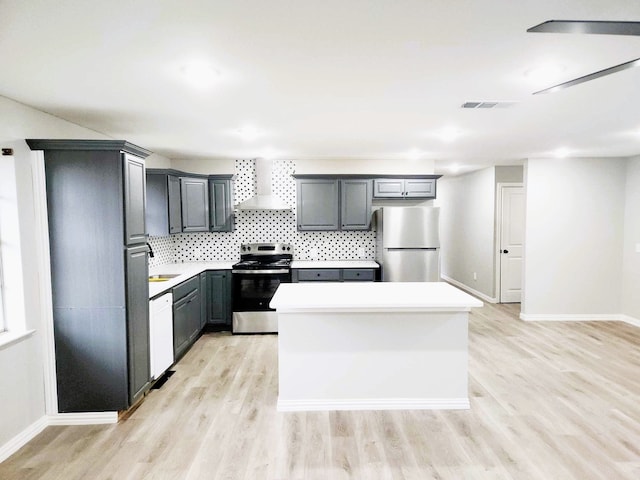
(249, 133)
(543, 74)
(270, 153)
(448, 134)
(454, 168)
(561, 152)
(199, 73)
(415, 154)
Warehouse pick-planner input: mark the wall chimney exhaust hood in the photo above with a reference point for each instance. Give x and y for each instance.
(264, 200)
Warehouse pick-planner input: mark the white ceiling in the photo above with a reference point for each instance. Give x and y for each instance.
(373, 79)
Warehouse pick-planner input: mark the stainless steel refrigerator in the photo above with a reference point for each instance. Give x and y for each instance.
(408, 243)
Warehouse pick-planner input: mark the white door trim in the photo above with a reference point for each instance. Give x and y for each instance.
(500, 186)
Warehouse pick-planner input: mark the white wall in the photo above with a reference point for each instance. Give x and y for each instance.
(467, 216)
(574, 237)
(630, 257)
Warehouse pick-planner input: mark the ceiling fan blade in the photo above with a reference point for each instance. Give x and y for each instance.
(587, 26)
(591, 76)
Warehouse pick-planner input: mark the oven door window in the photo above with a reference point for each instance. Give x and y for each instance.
(253, 292)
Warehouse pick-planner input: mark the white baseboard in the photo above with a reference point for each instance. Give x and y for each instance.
(29, 433)
(20, 440)
(630, 320)
(468, 289)
(84, 418)
(374, 404)
(571, 317)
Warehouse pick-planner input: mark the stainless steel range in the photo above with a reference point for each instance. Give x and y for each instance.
(262, 267)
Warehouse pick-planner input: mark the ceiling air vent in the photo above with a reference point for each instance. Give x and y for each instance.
(487, 104)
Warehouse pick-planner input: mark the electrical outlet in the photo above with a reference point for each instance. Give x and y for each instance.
(313, 252)
(475, 276)
(361, 252)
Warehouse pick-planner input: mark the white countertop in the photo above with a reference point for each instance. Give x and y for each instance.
(184, 270)
(334, 264)
(371, 296)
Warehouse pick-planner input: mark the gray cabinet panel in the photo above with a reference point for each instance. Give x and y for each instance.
(156, 215)
(182, 312)
(85, 210)
(187, 311)
(317, 204)
(355, 204)
(318, 275)
(404, 188)
(388, 187)
(358, 275)
(195, 204)
(174, 201)
(221, 208)
(91, 348)
(333, 275)
(204, 299)
(219, 297)
(134, 199)
(138, 321)
(420, 188)
(163, 210)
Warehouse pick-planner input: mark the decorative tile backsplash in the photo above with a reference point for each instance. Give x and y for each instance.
(263, 226)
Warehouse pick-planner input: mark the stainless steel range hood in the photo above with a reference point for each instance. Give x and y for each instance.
(265, 199)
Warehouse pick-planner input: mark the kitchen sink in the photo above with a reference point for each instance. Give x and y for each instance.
(162, 277)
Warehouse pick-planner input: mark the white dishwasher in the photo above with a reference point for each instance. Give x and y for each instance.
(161, 334)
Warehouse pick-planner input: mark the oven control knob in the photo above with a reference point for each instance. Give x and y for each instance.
(243, 248)
(248, 249)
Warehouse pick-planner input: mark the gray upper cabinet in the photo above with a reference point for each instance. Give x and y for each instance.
(318, 204)
(134, 199)
(175, 206)
(221, 206)
(163, 210)
(404, 188)
(95, 206)
(333, 204)
(177, 202)
(355, 204)
(195, 204)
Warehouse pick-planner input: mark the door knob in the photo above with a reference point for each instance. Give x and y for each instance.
(505, 251)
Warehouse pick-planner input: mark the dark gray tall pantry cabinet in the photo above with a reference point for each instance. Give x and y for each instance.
(99, 270)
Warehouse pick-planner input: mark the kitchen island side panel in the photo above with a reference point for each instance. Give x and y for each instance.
(372, 360)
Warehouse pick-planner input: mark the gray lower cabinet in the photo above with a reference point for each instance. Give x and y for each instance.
(194, 194)
(333, 275)
(219, 297)
(187, 311)
(404, 188)
(163, 212)
(333, 204)
(99, 274)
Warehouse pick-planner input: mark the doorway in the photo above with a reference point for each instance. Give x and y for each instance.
(510, 241)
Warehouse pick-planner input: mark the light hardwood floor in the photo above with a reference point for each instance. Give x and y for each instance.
(548, 401)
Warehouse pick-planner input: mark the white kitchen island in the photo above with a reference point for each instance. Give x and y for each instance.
(372, 346)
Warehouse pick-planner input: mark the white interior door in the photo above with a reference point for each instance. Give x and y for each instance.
(511, 243)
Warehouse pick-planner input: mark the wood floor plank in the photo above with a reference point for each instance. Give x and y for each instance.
(548, 400)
